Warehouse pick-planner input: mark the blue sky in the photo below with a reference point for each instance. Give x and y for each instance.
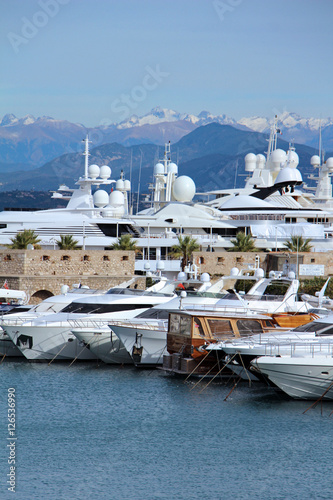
(94, 61)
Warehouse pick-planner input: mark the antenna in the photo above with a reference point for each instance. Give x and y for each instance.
(137, 201)
(86, 154)
(320, 145)
(131, 193)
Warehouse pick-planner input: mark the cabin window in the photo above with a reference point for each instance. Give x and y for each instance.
(65, 257)
(198, 330)
(185, 326)
(124, 257)
(248, 327)
(106, 257)
(220, 328)
(86, 258)
(45, 257)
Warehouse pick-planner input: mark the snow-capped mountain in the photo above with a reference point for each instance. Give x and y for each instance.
(31, 142)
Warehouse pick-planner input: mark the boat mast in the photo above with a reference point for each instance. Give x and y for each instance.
(86, 154)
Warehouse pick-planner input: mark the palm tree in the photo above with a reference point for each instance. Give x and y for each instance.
(125, 242)
(185, 248)
(243, 243)
(298, 244)
(25, 238)
(67, 242)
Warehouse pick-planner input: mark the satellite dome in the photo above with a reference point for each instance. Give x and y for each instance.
(93, 171)
(261, 160)
(329, 164)
(291, 275)
(259, 273)
(293, 159)
(315, 161)
(159, 169)
(64, 289)
(116, 198)
(101, 198)
(127, 185)
(183, 188)
(250, 162)
(205, 278)
(172, 168)
(160, 265)
(271, 274)
(277, 157)
(234, 271)
(181, 276)
(105, 172)
(288, 175)
(120, 185)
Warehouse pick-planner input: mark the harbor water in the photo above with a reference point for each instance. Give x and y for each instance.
(101, 432)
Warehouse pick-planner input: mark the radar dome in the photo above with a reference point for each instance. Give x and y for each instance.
(261, 160)
(293, 159)
(181, 276)
(250, 162)
(64, 289)
(101, 198)
(93, 171)
(288, 175)
(277, 157)
(160, 265)
(234, 271)
(127, 185)
(183, 188)
(291, 275)
(329, 164)
(259, 273)
(315, 161)
(205, 278)
(120, 185)
(159, 169)
(116, 198)
(105, 172)
(172, 168)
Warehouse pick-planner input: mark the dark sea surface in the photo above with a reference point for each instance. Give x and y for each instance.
(103, 432)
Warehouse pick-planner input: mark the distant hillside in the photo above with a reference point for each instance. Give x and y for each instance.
(213, 155)
(29, 142)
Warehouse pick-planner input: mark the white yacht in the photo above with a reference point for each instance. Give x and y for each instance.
(304, 374)
(107, 345)
(144, 337)
(11, 320)
(238, 353)
(49, 337)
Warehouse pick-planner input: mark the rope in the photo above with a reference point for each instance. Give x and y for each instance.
(218, 373)
(63, 347)
(320, 398)
(85, 346)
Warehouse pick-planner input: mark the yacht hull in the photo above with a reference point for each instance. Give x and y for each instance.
(104, 344)
(301, 377)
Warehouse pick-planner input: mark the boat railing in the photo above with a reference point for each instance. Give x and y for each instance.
(300, 349)
(158, 324)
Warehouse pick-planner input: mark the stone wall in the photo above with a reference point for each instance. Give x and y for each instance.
(41, 273)
(220, 263)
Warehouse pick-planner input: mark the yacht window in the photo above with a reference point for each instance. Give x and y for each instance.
(325, 331)
(198, 327)
(220, 328)
(314, 326)
(174, 323)
(185, 326)
(154, 314)
(248, 327)
(82, 308)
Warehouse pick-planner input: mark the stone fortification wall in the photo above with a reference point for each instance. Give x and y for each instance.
(41, 273)
(220, 263)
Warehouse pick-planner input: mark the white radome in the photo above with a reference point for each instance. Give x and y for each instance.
(315, 161)
(93, 171)
(116, 198)
(101, 198)
(105, 172)
(250, 162)
(159, 169)
(183, 188)
(172, 168)
(277, 158)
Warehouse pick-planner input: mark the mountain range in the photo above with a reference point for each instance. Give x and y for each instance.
(213, 155)
(28, 143)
